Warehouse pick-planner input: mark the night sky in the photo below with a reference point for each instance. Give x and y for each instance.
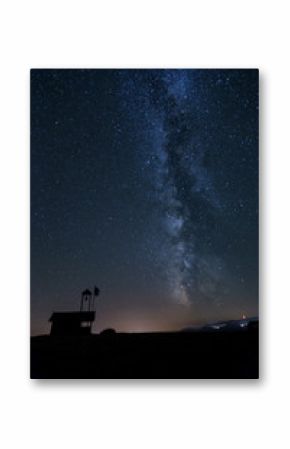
(144, 183)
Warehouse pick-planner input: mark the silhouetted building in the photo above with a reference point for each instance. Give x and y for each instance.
(71, 323)
(76, 323)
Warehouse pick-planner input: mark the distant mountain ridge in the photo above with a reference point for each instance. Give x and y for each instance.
(230, 325)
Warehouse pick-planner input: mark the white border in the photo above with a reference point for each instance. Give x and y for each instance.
(182, 33)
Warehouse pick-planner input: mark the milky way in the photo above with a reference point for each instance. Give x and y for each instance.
(172, 109)
(146, 182)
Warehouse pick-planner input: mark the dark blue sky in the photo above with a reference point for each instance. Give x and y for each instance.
(145, 183)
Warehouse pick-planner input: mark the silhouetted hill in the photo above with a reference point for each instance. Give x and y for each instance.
(199, 354)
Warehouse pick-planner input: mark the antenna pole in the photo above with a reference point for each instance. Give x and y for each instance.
(81, 307)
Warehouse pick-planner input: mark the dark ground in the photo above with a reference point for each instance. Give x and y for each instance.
(184, 355)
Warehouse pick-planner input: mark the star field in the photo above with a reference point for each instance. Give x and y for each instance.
(145, 182)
